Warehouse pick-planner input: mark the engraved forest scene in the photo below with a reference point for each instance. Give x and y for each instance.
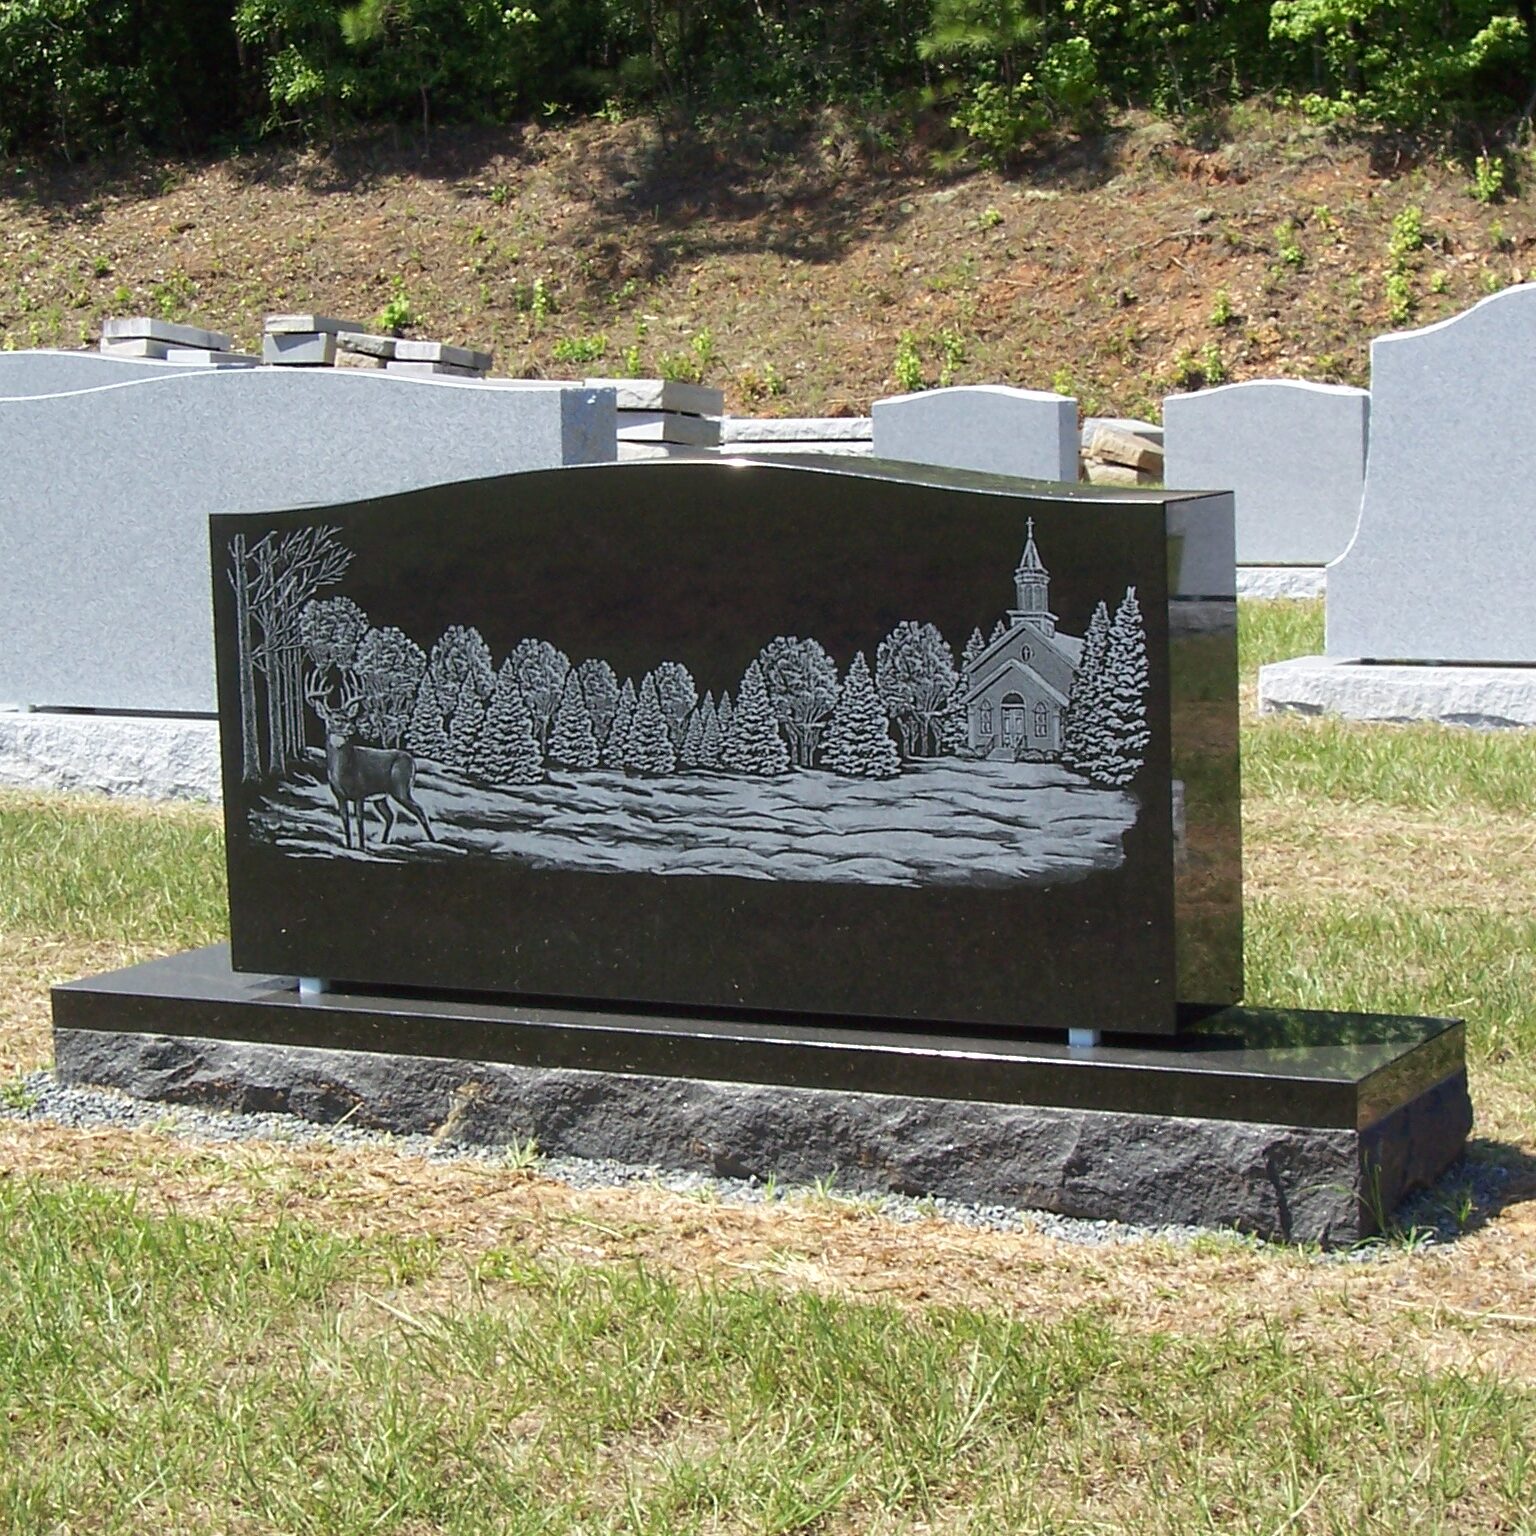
(1009, 760)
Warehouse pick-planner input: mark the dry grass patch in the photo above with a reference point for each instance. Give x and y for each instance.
(460, 1229)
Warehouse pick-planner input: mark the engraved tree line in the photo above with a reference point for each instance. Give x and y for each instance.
(509, 724)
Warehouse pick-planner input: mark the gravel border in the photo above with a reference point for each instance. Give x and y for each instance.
(1427, 1220)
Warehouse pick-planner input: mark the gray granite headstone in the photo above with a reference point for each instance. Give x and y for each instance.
(1294, 454)
(1440, 566)
(994, 428)
(104, 585)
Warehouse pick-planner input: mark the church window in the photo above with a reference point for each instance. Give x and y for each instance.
(1042, 720)
(1025, 653)
(986, 718)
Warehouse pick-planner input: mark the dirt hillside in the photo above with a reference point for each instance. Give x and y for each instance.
(787, 270)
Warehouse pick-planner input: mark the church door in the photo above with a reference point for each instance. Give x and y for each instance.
(1014, 717)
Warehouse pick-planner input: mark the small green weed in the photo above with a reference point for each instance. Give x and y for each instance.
(989, 218)
(1490, 174)
(1288, 246)
(908, 368)
(398, 313)
(1221, 308)
(580, 349)
(952, 344)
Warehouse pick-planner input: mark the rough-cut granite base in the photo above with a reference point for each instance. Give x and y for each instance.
(1287, 1182)
(1294, 1125)
(1491, 698)
(1282, 581)
(156, 757)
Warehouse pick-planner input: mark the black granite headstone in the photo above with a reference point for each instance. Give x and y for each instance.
(895, 745)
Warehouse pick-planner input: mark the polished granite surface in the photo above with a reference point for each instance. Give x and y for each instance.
(1285, 1067)
(969, 884)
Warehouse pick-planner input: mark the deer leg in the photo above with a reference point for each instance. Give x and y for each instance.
(362, 825)
(388, 812)
(346, 824)
(410, 804)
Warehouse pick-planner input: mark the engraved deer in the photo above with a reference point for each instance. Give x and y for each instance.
(360, 774)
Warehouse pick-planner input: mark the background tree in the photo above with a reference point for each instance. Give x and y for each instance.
(573, 741)
(956, 730)
(388, 666)
(460, 663)
(802, 688)
(332, 629)
(725, 711)
(711, 741)
(1125, 695)
(915, 673)
(600, 688)
(427, 733)
(859, 744)
(1081, 732)
(273, 580)
(508, 751)
(753, 744)
(689, 756)
(677, 694)
(541, 672)
(648, 748)
(464, 730)
(617, 743)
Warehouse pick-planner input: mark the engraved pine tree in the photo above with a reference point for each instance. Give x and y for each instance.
(1125, 695)
(617, 740)
(752, 743)
(859, 744)
(508, 750)
(648, 749)
(573, 741)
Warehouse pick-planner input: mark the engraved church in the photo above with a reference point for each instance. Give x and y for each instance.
(1017, 686)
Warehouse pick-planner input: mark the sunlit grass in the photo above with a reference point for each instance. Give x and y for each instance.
(171, 1374)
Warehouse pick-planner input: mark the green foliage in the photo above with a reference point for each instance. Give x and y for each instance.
(1221, 308)
(94, 75)
(1287, 246)
(1010, 79)
(322, 62)
(1405, 63)
(1405, 241)
(1489, 175)
(580, 349)
(908, 369)
(397, 315)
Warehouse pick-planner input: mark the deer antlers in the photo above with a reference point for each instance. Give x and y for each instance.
(337, 717)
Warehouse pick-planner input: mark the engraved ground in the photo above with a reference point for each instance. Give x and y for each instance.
(944, 822)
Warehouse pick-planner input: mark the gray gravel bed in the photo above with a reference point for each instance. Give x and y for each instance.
(1440, 1215)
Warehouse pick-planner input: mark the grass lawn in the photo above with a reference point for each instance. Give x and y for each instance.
(263, 1337)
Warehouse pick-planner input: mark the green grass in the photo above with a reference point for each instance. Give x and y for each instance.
(168, 1374)
(93, 869)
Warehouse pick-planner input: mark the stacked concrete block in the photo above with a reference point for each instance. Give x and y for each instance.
(429, 359)
(845, 435)
(1121, 452)
(143, 338)
(302, 341)
(362, 349)
(993, 428)
(665, 414)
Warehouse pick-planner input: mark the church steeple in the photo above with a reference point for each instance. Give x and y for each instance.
(1032, 584)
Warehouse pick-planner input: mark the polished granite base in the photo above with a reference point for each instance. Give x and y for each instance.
(1297, 1125)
